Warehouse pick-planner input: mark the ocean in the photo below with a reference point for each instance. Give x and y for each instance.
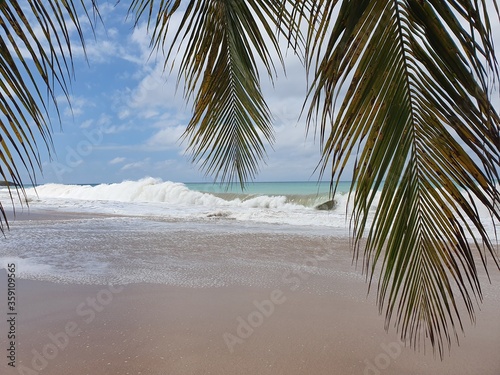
(287, 203)
(193, 234)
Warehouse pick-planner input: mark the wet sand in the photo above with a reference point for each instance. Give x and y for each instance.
(300, 324)
(158, 329)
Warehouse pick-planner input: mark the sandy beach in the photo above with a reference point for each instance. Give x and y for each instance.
(313, 318)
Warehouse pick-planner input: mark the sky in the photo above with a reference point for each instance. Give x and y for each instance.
(127, 115)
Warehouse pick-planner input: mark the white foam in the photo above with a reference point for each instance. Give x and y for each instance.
(124, 250)
(25, 266)
(211, 241)
(167, 199)
(154, 197)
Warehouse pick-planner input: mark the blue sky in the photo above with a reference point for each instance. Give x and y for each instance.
(126, 118)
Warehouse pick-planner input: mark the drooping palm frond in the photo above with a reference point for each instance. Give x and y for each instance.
(417, 117)
(35, 61)
(224, 41)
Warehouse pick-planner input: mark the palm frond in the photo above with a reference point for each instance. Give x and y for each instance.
(35, 61)
(417, 118)
(224, 42)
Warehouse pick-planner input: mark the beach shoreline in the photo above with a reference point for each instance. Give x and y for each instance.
(159, 329)
(283, 303)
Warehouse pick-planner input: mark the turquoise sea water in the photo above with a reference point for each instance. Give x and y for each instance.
(305, 193)
(272, 188)
(117, 244)
(291, 203)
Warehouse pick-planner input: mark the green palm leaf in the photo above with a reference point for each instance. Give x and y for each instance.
(223, 41)
(32, 67)
(412, 86)
(418, 119)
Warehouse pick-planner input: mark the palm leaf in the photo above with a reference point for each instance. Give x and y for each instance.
(412, 85)
(223, 42)
(417, 117)
(32, 67)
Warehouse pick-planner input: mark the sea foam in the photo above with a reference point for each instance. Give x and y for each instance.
(174, 200)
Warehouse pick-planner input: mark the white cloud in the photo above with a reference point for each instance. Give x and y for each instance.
(86, 124)
(77, 105)
(136, 165)
(113, 32)
(115, 129)
(156, 90)
(124, 113)
(166, 138)
(117, 160)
